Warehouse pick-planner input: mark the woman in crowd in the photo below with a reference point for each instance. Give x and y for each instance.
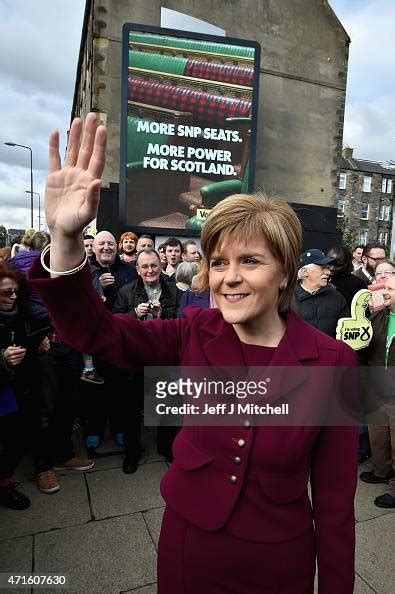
(127, 247)
(5, 254)
(184, 275)
(18, 343)
(379, 356)
(238, 516)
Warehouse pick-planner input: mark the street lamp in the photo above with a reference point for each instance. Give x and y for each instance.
(39, 207)
(31, 176)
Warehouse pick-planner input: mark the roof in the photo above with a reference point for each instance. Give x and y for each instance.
(366, 166)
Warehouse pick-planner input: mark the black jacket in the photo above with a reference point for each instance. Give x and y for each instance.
(131, 295)
(347, 284)
(321, 309)
(123, 273)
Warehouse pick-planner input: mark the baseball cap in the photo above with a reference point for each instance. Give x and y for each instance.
(314, 257)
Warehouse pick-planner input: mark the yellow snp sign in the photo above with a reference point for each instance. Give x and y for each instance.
(202, 213)
(356, 331)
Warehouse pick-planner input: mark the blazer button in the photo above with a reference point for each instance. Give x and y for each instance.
(233, 479)
(241, 442)
(247, 423)
(237, 460)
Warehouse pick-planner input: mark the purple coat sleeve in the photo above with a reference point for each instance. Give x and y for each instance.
(333, 479)
(84, 323)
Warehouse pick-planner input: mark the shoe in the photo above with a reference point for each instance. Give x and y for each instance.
(12, 498)
(47, 482)
(387, 501)
(131, 461)
(92, 441)
(90, 375)
(76, 464)
(130, 464)
(119, 440)
(373, 479)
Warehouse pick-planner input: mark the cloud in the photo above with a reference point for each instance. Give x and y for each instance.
(39, 46)
(370, 99)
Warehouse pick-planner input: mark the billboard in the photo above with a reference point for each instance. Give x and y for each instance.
(188, 126)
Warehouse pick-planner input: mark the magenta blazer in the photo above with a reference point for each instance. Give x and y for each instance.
(269, 502)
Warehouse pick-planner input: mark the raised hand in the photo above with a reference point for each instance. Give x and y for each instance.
(72, 194)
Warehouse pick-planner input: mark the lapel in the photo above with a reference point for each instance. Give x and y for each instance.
(222, 348)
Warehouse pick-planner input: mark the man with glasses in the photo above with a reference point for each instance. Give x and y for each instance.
(373, 253)
(150, 297)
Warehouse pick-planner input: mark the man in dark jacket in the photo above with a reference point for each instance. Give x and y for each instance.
(109, 274)
(316, 302)
(373, 253)
(151, 296)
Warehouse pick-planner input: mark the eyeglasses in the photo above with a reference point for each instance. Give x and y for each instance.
(147, 266)
(376, 259)
(9, 292)
(385, 273)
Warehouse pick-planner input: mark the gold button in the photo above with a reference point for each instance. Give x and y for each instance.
(241, 443)
(237, 460)
(247, 423)
(233, 479)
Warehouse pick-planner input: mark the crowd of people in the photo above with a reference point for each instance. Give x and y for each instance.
(74, 345)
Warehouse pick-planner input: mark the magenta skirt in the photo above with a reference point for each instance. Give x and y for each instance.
(194, 561)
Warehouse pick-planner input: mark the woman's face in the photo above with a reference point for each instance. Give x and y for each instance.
(88, 245)
(8, 293)
(128, 246)
(245, 281)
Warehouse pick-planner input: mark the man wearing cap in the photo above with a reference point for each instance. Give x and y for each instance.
(315, 300)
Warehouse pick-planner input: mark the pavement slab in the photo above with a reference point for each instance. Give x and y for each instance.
(16, 558)
(375, 553)
(364, 498)
(114, 493)
(153, 519)
(67, 507)
(106, 557)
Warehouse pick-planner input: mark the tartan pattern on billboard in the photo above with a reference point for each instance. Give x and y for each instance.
(207, 108)
(236, 75)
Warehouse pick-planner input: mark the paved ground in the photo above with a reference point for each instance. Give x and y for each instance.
(101, 530)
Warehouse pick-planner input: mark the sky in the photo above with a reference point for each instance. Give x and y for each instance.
(39, 46)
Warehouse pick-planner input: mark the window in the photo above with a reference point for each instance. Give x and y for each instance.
(385, 210)
(367, 182)
(364, 210)
(342, 181)
(383, 237)
(386, 185)
(340, 207)
(362, 237)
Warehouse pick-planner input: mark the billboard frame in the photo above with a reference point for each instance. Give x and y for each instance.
(127, 27)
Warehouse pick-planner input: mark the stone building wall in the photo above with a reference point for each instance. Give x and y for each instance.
(302, 83)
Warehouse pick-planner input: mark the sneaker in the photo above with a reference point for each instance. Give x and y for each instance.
(387, 501)
(12, 498)
(76, 464)
(92, 441)
(90, 375)
(373, 479)
(47, 482)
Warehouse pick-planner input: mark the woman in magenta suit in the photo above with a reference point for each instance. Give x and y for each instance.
(238, 517)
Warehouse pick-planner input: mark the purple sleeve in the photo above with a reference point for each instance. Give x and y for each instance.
(333, 482)
(83, 322)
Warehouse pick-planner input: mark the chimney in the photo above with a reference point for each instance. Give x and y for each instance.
(347, 152)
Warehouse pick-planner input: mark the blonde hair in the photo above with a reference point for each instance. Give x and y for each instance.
(247, 217)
